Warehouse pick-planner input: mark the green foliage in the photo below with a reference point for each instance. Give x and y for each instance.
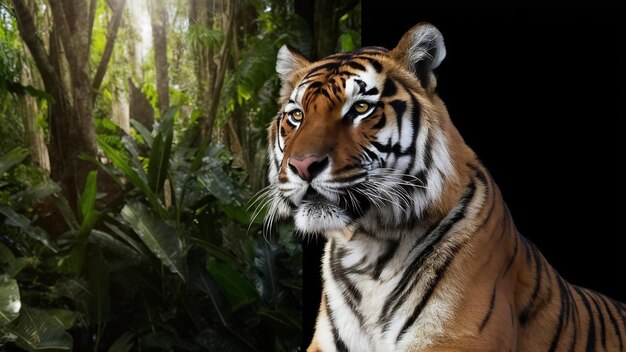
(205, 37)
(350, 28)
(165, 265)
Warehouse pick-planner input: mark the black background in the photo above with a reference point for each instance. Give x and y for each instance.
(538, 92)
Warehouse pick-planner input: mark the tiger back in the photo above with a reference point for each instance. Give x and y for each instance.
(422, 253)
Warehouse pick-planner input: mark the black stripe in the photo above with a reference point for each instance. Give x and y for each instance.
(592, 297)
(339, 56)
(339, 273)
(390, 251)
(351, 295)
(524, 315)
(399, 106)
(428, 158)
(330, 66)
(362, 85)
(375, 63)
(415, 120)
(613, 321)
(389, 88)
(439, 273)
(325, 93)
(385, 149)
(339, 344)
(512, 258)
(591, 332)
(372, 91)
(355, 65)
(399, 294)
(381, 122)
(563, 314)
(373, 156)
(492, 301)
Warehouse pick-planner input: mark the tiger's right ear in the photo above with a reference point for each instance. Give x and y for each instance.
(421, 50)
(288, 61)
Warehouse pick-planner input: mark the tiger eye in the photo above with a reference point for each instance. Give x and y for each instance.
(296, 115)
(361, 106)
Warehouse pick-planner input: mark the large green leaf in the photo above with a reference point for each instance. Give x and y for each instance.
(88, 206)
(10, 302)
(143, 131)
(161, 150)
(121, 162)
(36, 329)
(17, 220)
(65, 317)
(88, 197)
(131, 145)
(140, 248)
(158, 235)
(215, 251)
(237, 289)
(32, 194)
(6, 256)
(68, 214)
(12, 158)
(107, 241)
(212, 177)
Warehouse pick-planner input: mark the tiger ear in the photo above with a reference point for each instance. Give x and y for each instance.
(288, 61)
(421, 50)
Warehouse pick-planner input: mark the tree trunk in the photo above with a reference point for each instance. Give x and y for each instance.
(34, 134)
(65, 73)
(200, 16)
(139, 106)
(207, 123)
(326, 17)
(158, 19)
(120, 109)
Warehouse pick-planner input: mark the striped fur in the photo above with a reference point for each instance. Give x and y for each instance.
(422, 253)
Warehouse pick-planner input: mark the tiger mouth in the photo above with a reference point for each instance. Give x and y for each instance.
(313, 196)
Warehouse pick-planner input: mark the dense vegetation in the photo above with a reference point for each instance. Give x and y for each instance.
(132, 139)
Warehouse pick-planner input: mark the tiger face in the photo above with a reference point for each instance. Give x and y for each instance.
(359, 136)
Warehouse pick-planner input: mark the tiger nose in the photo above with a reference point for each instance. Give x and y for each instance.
(309, 167)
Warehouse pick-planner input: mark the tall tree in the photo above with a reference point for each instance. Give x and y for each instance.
(66, 74)
(211, 67)
(158, 19)
(34, 133)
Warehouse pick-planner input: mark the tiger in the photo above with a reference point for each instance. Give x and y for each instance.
(421, 251)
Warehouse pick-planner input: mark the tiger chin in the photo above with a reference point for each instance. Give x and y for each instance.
(422, 253)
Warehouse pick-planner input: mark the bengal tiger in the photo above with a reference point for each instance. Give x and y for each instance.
(422, 253)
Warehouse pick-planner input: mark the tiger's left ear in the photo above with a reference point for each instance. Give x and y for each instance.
(421, 50)
(288, 61)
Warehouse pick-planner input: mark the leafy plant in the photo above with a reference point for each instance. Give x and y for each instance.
(167, 264)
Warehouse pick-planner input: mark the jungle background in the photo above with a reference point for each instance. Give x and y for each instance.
(132, 144)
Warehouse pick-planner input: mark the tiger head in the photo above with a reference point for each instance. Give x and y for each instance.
(362, 138)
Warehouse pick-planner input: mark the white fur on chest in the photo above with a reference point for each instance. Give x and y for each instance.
(369, 332)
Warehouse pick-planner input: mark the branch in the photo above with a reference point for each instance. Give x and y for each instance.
(60, 22)
(28, 32)
(92, 15)
(108, 49)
